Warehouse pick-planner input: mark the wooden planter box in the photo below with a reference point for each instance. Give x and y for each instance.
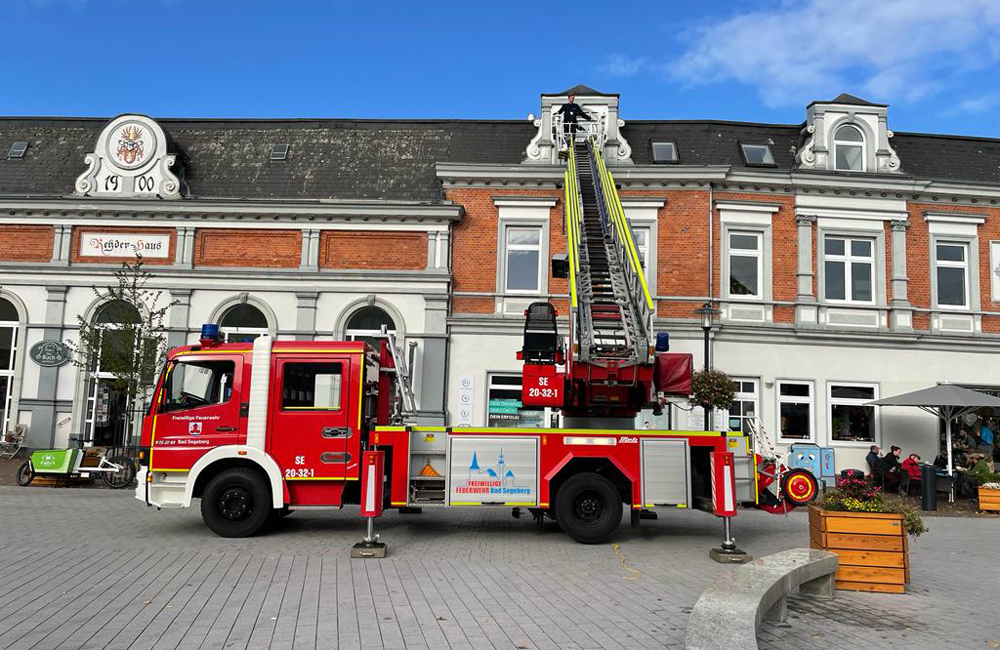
(873, 549)
(989, 499)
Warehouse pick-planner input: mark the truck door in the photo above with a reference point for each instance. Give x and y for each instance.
(199, 409)
(310, 434)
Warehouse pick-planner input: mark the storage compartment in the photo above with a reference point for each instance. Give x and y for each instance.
(493, 471)
(428, 466)
(666, 473)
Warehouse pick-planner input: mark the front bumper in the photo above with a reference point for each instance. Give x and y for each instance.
(162, 489)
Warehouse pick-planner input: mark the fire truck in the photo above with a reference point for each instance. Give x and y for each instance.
(258, 430)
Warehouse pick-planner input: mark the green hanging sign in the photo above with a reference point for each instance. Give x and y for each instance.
(49, 353)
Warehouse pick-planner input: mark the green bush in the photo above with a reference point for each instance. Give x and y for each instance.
(858, 495)
(713, 389)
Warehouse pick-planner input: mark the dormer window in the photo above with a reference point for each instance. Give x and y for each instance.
(664, 152)
(757, 154)
(849, 149)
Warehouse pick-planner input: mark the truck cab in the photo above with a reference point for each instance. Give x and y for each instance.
(254, 428)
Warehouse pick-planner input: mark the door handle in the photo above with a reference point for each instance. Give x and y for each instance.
(336, 432)
(225, 428)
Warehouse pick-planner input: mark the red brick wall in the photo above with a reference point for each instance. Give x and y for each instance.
(74, 250)
(349, 249)
(248, 248)
(26, 243)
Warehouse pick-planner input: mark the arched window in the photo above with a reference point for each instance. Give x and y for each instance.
(9, 323)
(849, 149)
(242, 323)
(111, 415)
(366, 325)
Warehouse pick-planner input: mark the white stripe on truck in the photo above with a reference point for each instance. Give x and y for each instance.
(259, 387)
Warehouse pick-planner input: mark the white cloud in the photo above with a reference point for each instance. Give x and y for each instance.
(885, 49)
(977, 105)
(620, 65)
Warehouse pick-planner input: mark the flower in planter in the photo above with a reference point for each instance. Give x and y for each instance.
(858, 495)
(993, 485)
(712, 389)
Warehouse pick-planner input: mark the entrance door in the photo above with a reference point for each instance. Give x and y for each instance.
(309, 435)
(108, 414)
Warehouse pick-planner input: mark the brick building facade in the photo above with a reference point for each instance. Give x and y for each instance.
(847, 262)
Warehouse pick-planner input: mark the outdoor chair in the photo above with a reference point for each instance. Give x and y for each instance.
(11, 443)
(905, 482)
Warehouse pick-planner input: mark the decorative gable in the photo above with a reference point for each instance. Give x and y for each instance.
(130, 160)
(602, 107)
(847, 134)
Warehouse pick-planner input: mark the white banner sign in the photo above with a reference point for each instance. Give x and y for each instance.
(95, 244)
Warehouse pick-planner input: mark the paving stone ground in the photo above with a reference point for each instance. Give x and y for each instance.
(97, 569)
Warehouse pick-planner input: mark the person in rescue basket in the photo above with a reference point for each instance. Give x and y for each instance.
(570, 111)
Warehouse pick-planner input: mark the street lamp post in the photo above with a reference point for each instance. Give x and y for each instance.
(707, 312)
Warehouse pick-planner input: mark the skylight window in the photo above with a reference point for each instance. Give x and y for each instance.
(279, 152)
(665, 152)
(757, 154)
(17, 150)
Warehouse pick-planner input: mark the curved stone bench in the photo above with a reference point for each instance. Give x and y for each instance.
(729, 612)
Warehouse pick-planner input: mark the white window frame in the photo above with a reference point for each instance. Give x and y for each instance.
(758, 255)
(539, 248)
(844, 401)
(10, 373)
(490, 377)
(753, 397)
(644, 252)
(849, 259)
(779, 400)
(850, 143)
(965, 265)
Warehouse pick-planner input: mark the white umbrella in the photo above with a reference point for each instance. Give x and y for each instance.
(947, 402)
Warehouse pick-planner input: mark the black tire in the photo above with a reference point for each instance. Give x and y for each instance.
(236, 503)
(123, 477)
(25, 475)
(588, 508)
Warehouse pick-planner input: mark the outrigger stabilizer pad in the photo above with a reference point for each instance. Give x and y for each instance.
(368, 550)
(729, 554)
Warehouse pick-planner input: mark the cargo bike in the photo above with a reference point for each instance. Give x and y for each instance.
(115, 468)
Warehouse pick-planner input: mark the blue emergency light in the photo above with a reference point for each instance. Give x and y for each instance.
(662, 341)
(210, 332)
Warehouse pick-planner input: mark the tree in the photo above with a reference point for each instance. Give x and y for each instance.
(127, 339)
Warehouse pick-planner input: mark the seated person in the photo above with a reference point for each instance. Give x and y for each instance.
(962, 439)
(981, 471)
(986, 434)
(912, 466)
(890, 468)
(941, 462)
(872, 458)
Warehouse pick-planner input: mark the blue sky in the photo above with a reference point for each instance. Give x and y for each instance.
(936, 63)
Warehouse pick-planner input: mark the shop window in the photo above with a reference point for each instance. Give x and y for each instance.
(850, 419)
(311, 386)
(744, 412)
(522, 259)
(9, 324)
(366, 325)
(795, 411)
(503, 406)
(848, 268)
(243, 323)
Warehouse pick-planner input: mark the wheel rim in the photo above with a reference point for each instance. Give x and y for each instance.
(589, 508)
(800, 488)
(122, 476)
(236, 503)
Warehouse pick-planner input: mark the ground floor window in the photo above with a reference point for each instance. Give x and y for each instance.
(746, 405)
(242, 324)
(795, 411)
(503, 406)
(850, 419)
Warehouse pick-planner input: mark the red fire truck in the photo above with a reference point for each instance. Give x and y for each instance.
(256, 430)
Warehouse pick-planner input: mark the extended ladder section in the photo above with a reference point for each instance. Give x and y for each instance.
(610, 302)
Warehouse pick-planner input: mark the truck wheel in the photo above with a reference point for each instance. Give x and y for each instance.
(25, 475)
(588, 508)
(236, 503)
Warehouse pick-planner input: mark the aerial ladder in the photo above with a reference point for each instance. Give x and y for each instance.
(610, 366)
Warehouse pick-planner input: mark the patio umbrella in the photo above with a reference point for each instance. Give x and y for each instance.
(947, 402)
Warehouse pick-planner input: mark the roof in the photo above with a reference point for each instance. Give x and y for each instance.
(581, 90)
(327, 159)
(844, 98)
(350, 159)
